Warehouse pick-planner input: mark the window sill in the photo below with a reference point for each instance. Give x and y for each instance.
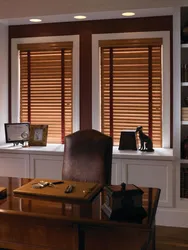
(158, 154)
(52, 149)
(58, 149)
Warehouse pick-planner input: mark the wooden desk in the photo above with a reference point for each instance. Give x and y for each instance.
(32, 224)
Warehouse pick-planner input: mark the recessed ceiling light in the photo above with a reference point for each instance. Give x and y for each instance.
(128, 14)
(35, 20)
(80, 17)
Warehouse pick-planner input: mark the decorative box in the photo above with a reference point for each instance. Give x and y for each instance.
(123, 202)
(127, 140)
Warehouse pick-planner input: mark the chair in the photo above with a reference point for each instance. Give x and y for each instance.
(88, 157)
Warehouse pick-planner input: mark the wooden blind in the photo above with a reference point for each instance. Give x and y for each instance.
(131, 88)
(46, 88)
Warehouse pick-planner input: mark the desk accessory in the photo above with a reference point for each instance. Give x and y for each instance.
(123, 202)
(42, 184)
(69, 189)
(17, 133)
(3, 192)
(38, 135)
(146, 143)
(127, 140)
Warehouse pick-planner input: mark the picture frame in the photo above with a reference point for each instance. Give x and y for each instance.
(38, 135)
(17, 132)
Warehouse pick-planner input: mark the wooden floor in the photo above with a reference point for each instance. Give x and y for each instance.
(171, 238)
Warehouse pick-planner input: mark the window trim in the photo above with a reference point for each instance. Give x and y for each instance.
(15, 93)
(165, 35)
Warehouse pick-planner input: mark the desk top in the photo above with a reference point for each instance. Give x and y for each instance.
(24, 206)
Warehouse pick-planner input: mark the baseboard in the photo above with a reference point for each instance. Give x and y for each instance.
(172, 217)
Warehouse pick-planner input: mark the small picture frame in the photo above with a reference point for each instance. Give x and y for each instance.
(38, 135)
(17, 132)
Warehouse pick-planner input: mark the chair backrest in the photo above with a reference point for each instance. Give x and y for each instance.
(88, 157)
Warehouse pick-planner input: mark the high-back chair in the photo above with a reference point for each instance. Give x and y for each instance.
(88, 157)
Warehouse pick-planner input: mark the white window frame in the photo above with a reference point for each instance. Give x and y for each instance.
(15, 74)
(96, 98)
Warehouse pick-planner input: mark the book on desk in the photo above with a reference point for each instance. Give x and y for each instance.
(123, 202)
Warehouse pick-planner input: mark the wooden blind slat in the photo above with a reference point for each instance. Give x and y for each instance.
(131, 85)
(136, 43)
(49, 47)
(46, 87)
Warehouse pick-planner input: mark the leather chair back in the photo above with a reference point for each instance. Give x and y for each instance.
(88, 157)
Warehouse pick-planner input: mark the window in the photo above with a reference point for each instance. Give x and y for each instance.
(131, 86)
(47, 89)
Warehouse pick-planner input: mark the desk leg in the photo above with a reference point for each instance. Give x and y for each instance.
(81, 239)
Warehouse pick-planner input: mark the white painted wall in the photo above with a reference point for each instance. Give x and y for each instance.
(58, 7)
(3, 79)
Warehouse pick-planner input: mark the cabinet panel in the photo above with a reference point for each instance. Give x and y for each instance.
(14, 165)
(119, 172)
(153, 174)
(43, 166)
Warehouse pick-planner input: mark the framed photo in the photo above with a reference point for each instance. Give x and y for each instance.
(38, 135)
(17, 132)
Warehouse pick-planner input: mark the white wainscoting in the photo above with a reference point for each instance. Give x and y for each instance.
(14, 165)
(49, 167)
(146, 173)
(153, 174)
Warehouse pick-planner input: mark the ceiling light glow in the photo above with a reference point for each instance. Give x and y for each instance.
(128, 14)
(35, 20)
(80, 17)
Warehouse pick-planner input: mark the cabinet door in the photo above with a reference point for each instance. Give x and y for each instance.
(119, 171)
(14, 165)
(45, 166)
(157, 174)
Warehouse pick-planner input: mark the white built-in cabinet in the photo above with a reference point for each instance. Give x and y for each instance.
(117, 172)
(48, 166)
(146, 173)
(14, 165)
